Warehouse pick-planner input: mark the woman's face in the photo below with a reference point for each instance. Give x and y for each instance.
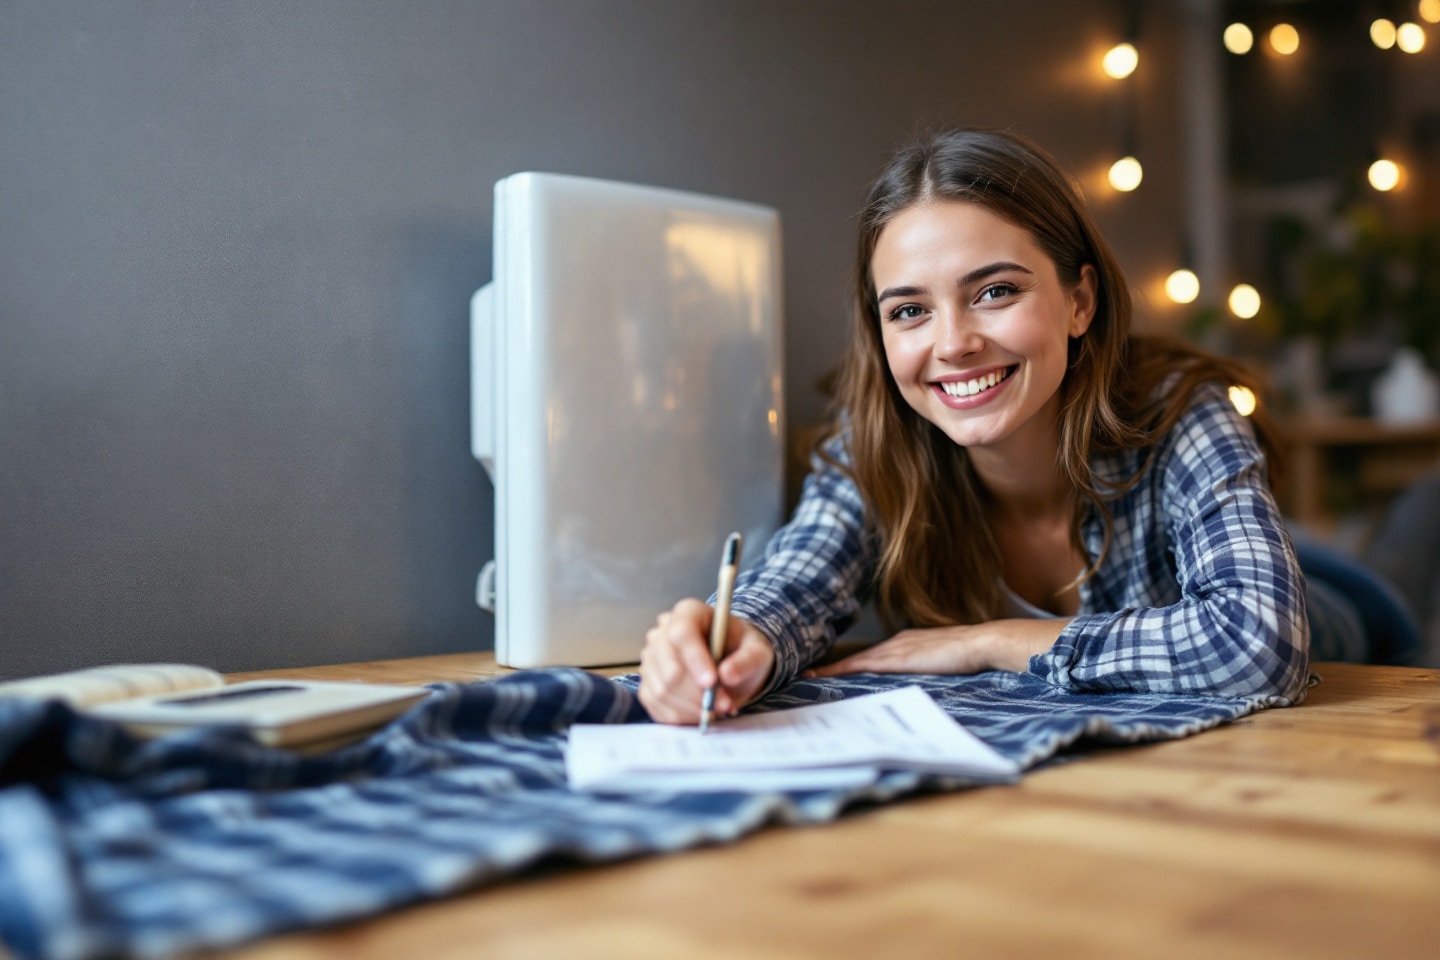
(975, 321)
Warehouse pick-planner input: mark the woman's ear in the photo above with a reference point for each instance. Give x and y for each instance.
(1082, 301)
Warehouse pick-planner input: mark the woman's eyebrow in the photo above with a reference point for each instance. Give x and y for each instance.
(990, 269)
(889, 292)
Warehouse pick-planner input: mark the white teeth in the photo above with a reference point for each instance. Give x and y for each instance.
(968, 388)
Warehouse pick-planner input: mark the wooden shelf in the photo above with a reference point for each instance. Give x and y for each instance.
(1358, 459)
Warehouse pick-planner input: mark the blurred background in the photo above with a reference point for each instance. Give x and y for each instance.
(238, 241)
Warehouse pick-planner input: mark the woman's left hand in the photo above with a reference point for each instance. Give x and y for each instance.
(997, 645)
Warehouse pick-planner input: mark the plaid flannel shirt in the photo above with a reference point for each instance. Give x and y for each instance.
(1199, 593)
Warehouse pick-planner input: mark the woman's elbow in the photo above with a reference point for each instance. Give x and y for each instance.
(1272, 663)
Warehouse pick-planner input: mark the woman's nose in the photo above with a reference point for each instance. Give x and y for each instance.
(956, 336)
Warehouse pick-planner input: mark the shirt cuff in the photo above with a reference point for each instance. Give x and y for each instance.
(772, 620)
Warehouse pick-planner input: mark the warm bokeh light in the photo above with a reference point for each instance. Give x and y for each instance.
(1243, 399)
(1244, 301)
(1182, 286)
(1284, 39)
(1125, 174)
(1410, 37)
(1384, 175)
(1382, 33)
(1430, 11)
(1121, 60)
(1239, 39)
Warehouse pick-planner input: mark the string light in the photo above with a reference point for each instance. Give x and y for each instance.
(1284, 39)
(1382, 33)
(1243, 400)
(1239, 39)
(1410, 37)
(1126, 174)
(1430, 11)
(1121, 60)
(1244, 301)
(1182, 286)
(1384, 175)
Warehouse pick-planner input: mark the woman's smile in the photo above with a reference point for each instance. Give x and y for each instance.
(961, 393)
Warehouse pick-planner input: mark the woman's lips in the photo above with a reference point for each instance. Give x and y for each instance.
(973, 392)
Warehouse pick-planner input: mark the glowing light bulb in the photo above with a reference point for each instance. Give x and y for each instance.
(1239, 39)
(1384, 175)
(1284, 39)
(1430, 11)
(1125, 174)
(1382, 33)
(1244, 301)
(1121, 60)
(1243, 399)
(1410, 37)
(1182, 286)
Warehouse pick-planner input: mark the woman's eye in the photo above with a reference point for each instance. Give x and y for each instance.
(906, 311)
(998, 291)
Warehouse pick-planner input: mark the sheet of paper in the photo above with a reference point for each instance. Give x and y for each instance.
(842, 743)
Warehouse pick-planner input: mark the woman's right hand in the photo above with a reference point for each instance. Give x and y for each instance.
(676, 667)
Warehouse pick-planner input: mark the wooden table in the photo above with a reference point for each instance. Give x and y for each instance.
(1307, 832)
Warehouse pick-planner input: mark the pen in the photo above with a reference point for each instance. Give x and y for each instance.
(720, 626)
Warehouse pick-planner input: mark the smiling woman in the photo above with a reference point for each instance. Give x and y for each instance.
(1020, 482)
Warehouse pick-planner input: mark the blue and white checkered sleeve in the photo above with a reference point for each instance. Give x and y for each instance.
(1240, 628)
(809, 586)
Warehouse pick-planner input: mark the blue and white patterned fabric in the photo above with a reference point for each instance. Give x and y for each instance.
(1199, 593)
(111, 846)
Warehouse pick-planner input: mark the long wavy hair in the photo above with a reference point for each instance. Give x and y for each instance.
(938, 561)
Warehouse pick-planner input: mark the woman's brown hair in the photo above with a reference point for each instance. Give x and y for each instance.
(938, 560)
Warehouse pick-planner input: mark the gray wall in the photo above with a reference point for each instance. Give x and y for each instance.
(237, 242)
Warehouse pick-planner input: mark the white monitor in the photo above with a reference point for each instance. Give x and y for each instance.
(626, 400)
